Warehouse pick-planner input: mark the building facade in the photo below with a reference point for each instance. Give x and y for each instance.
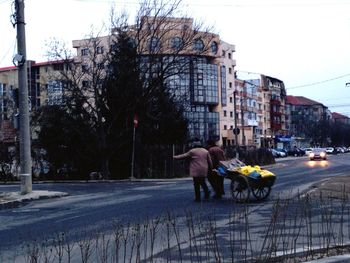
(264, 116)
(340, 118)
(306, 118)
(43, 89)
(202, 79)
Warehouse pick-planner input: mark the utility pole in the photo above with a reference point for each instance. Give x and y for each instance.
(136, 121)
(242, 121)
(236, 128)
(24, 129)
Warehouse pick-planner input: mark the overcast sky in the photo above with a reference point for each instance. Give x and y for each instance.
(304, 43)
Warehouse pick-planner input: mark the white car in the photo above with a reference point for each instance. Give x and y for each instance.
(330, 150)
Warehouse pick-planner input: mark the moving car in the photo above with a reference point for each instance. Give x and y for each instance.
(318, 153)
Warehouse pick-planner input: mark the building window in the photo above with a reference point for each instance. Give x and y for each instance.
(58, 67)
(132, 42)
(225, 113)
(84, 68)
(99, 50)
(223, 53)
(84, 51)
(223, 86)
(231, 114)
(100, 65)
(229, 70)
(153, 44)
(225, 127)
(229, 55)
(231, 100)
(177, 43)
(198, 44)
(113, 47)
(230, 85)
(214, 47)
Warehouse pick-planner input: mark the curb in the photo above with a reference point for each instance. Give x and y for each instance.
(15, 199)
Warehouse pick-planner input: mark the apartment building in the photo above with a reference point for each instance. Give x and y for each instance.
(274, 125)
(263, 110)
(43, 89)
(204, 78)
(340, 118)
(249, 112)
(304, 114)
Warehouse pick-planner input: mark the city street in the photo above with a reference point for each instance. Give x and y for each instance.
(97, 206)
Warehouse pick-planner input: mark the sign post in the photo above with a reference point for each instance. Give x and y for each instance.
(136, 121)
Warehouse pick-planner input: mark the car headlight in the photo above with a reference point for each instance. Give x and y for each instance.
(312, 155)
(322, 154)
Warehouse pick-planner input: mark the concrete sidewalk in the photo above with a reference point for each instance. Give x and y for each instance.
(15, 199)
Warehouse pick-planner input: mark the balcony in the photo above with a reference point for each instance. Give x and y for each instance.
(251, 122)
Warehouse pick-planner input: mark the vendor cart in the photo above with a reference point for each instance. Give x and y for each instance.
(247, 180)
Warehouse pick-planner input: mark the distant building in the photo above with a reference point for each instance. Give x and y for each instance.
(263, 109)
(340, 118)
(305, 116)
(43, 89)
(249, 112)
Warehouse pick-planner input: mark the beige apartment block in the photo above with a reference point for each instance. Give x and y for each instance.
(263, 110)
(43, 89)
(207, 79)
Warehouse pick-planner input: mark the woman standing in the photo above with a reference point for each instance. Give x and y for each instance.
(200, 162)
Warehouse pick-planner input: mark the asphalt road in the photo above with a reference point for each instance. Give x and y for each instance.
(97, 206)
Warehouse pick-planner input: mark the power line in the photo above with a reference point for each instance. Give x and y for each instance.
(4, 1)
(338, 105)
(230, 4)
(13, 45)
(318, 82)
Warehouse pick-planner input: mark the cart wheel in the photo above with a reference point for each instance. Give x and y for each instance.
(262, 192)
(240, 189)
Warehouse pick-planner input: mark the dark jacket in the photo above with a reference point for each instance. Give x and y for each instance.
(217, 155)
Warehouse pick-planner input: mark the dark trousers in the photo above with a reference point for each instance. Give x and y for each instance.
(199, 182)
(217, 182)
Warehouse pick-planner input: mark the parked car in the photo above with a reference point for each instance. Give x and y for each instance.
(278, 154)
(339, 149)
(296, 152)
(281, 152)
(330, 150)
(308, 151)
(318, 153)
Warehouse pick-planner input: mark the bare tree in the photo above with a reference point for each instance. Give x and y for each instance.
(168, 45)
